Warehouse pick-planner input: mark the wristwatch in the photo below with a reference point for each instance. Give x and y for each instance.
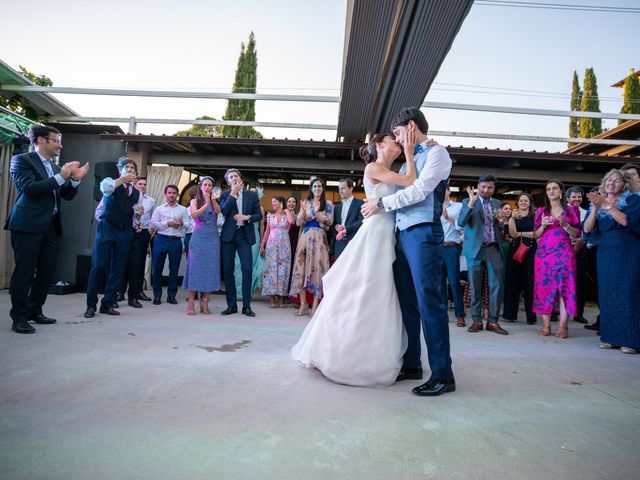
(379, 204)
(608, 207)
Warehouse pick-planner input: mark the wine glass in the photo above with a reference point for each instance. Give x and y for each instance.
(217, 192)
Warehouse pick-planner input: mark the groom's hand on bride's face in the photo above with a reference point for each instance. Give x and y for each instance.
(369, 207)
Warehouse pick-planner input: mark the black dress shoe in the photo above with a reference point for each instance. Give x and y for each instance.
(109, 310)
(409, 374)
(40, 318)
(435, 386)
(172, 300)
(580, 319)
(90, 312)
(115, 305)
(133, 302)
(22, 327)
(120, 297)
(248, 312)
(143, 297)
(156, 301)
(229, 311)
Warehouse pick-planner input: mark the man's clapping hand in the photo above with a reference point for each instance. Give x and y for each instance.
(473, 196)
(342, 232)
(67, 169)
(78, 173)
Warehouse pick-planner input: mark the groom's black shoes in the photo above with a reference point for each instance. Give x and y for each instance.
(435, 386)
(409, 374)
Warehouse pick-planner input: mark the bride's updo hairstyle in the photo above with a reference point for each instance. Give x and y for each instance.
(368, 152)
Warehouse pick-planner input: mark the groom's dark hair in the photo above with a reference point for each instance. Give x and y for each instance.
(405, 116)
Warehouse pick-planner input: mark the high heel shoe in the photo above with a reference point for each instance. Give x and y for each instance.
(204, 307)
(545, 331)
(191, 309)
(563, 332)
(301, 311)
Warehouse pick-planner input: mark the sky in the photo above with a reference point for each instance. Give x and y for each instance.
(193, 45)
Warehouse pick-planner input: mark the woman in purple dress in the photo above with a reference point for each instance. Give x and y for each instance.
(555, 261)
(202, 273)
(276, 248)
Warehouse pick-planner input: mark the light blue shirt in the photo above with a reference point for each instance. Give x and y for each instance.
(47, 166)
(452, 232)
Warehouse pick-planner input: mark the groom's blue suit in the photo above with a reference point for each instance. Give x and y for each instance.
(419, 256)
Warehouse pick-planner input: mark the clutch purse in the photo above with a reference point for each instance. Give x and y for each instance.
(521, 252)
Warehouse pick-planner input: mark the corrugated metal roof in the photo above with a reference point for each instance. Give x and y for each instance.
(394, 53)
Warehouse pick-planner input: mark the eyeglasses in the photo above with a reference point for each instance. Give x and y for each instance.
(54, 140)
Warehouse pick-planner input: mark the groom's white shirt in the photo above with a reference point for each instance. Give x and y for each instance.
(436, 169)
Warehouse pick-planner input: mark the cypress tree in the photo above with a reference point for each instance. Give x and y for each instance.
(631, 95)
(574, 122)
(245, 82)
(590, 127)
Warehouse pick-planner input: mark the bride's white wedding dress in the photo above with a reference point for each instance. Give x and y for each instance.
(356, 336)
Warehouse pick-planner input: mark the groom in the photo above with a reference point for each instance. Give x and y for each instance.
(419, 252)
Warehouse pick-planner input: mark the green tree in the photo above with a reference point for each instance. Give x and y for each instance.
(201, 130)
(574, 122)
(590, 127)
(21, 105)
(245, 82)
(631, 95)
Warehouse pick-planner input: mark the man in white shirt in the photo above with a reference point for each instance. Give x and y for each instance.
(347, 219)
(451, 253)
(149, 205)
(170, 221)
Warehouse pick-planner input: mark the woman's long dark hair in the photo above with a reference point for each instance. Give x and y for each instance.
(323, 201)
(563, 197)
(199, 196)
(532, 208)
(369, 152)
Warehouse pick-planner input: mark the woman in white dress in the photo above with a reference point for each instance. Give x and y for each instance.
(356, 336)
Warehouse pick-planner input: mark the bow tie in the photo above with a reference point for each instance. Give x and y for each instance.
(418, 149)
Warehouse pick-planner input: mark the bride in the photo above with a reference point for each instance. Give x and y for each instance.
(356, 336)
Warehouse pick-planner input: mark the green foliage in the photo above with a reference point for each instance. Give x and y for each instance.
(245, 82)
(576, 95)
(590, 127)
(201, 130)
(631, 96)
(21, 105)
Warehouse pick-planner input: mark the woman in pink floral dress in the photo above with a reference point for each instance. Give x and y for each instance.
(276, 248)
(555, 261)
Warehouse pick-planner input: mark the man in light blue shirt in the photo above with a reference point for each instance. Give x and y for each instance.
(451, 253)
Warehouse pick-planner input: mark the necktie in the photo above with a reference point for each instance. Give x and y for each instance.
(488, 220)
(418, 149)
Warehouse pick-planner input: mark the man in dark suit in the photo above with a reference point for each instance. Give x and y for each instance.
(241, 209)
(113, 237)
(481, 245)
(347, 219)
(35, 223)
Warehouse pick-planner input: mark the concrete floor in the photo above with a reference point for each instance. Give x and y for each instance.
(156, 394)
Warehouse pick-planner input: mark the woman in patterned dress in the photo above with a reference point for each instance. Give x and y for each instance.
(202, 272)
(276, 248)
(555, 261)
(312, 255)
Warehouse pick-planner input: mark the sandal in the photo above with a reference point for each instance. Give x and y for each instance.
(301, 311)
(545, 331)
(563, 332)
(191, 309)
(204, 307)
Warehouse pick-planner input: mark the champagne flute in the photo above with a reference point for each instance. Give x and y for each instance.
(217, 192)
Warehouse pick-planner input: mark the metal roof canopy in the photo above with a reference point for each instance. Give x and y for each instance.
(43, 103)
(393, 52)
(289, 159)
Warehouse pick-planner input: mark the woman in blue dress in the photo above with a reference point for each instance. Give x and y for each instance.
(614, 217)
(202, 273)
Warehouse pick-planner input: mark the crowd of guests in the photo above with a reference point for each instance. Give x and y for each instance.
(538, 254)
(543, 254)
